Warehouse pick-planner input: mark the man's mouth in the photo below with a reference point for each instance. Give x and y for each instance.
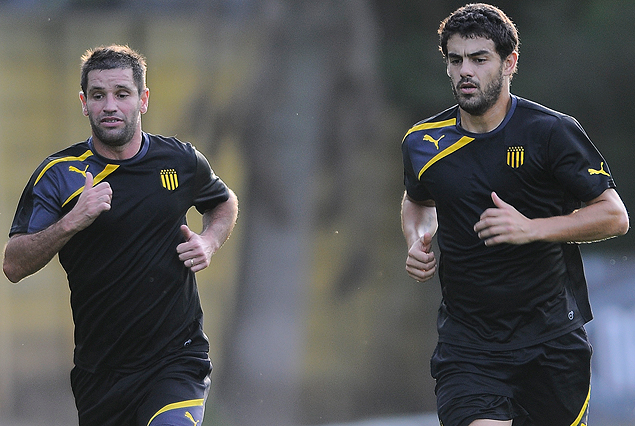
(110, 121)
(467, 88)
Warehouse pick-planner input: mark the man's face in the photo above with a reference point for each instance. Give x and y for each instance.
(113, 106)
(476, 73)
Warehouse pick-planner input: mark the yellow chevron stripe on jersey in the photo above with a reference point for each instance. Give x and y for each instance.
(449, 150)
(433, 125)
(60, 160)
(101, 176)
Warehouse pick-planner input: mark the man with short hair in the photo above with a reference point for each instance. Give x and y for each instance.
(114, 208)
(508, 186)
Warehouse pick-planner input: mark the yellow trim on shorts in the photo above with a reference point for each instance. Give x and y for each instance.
(584, 408)
(182, 404)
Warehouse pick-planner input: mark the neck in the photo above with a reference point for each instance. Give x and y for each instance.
(491, 119)
(122, 152)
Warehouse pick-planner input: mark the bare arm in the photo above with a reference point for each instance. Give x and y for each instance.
(197, 250)
(603, 217)
(419, 224)
(25, 254)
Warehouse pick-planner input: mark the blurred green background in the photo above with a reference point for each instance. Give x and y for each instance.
(300, 106)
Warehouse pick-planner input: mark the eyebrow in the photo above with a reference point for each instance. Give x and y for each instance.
(481, 52)
(117, 87)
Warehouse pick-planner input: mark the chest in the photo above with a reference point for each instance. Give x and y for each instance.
(144, 193)
(461, 172)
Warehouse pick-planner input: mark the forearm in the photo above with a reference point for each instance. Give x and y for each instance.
(219, 222)
(605, 217)
(417, 219)
(25, 254)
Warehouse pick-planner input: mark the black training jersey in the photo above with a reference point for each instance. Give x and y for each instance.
(131, 297)
(542, 163)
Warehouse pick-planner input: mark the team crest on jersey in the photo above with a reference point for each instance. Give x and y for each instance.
(169, 179)
(515, 156)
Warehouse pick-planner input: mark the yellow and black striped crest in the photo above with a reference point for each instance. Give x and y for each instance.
(515, 156)
(169, 179)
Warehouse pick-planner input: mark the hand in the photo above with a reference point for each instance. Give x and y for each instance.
(421, 263)
(195, 253)
(503, 224)
(93, 201)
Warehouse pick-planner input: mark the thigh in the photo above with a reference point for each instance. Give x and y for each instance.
(479, 410)
(178, 392)
(473, 384)
(173, 391)
(555, 383)
(104, 398)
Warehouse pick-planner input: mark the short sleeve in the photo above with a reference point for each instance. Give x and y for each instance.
(39, 205)
(210, 189)
(576, 162)
(414, 188)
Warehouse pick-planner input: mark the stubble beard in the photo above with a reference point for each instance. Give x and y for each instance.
(480, 103)
(114, 138)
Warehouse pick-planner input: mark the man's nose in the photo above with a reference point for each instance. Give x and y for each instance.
(467, 69)
(111, 103)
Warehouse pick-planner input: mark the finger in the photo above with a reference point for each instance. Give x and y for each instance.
(187, 232)
(494, 240)
(420, 275)
(89, 180)
(426, 239)
(418, 260)
(482, 224)
(421, 263)
(498, 202)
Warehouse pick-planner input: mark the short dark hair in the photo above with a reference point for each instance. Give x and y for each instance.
(112, 57)
(480, 20)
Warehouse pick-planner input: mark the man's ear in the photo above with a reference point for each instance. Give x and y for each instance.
(82, 98)
(145, 97)
(511, 63)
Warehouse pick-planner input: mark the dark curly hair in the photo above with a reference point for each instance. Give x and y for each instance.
(112, 57)
(480, 20)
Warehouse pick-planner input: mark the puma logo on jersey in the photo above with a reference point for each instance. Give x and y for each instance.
(599, 172)
(76, 170)
(189, 416)
(433, 140)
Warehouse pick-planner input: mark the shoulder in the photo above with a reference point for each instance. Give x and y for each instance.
(169, 143)
(75, 153)
(164, 148)
(530, 109)
(79, 150)
(442, 120)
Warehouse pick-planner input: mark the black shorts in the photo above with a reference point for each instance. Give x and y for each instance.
(545, 384)
(172, 392)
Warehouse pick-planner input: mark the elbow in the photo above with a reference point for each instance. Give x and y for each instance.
(10, 272)
(619, 223)
(617, 215)
(11, 269)
(623, 224)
